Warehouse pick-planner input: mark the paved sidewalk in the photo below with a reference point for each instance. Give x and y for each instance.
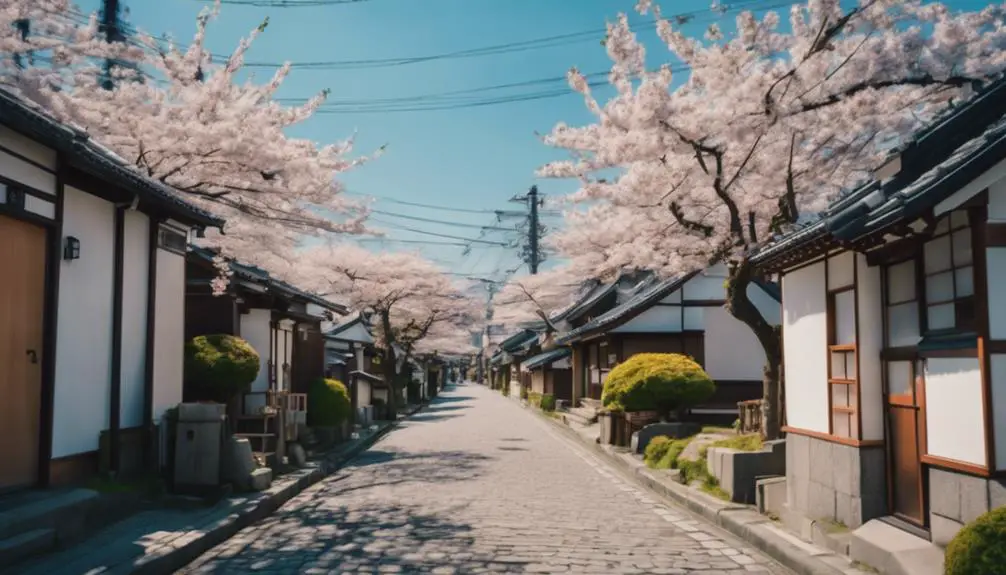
(477, 484)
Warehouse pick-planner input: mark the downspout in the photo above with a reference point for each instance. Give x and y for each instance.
(150, 461)
(115, 394)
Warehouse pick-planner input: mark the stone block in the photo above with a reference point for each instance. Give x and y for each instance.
(737, 471)
(798, 494)
(674, 430)
(800, 449)
(770, 495)
(238, 462)
(843, 509)
(820, 501)
(942, 529)
(843, 461)
(260, 479)
(821, 463)
(997, 493)
(945, 493)
(974, 497)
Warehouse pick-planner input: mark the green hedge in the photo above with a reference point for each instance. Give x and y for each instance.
(534, 398)
(219, 367)
(548, 402)
(662, 382)
(328, 403)
(979, 548)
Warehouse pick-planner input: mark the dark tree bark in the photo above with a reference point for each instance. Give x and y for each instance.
(741, 275)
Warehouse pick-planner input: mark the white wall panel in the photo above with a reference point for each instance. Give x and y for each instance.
(134, 317)
(169, 331)
(657, 319)
(732, 350)
(805, 348)
(27, 147)
(870, 341)
(84, 335)
(840, 270)
(30, 175)
(955, 415)
(999, 408)
(255, 330)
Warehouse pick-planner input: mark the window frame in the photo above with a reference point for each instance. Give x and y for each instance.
(923, 276)
(844, 350)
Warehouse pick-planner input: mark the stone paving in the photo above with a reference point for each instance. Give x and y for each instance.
(475, 484)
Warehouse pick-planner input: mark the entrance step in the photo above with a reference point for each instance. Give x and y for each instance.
(894, 551)
(21, 547)
(581, 415)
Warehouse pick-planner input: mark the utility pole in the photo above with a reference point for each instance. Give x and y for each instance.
(532, 253)
(112, 30)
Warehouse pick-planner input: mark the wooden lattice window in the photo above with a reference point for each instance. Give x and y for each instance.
(949, 274)
(843, 372)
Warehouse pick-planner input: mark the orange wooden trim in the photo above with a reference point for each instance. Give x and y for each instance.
(844, 409)
(833, 438)
(847, 347)
(836, 381)
(947, 463)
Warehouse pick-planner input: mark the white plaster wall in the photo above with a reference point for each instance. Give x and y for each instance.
(659, 318)
(870, 339)
(283, 353)
(999, 408)
(840, 270)
(955, 422)
(997, 202)
(694, 318)
(28, 174)
(996, 277)
(169, 332)
(27, 147)
(134, 317)
(673, 297)
(255, 330)
(732, 350)
(363, 395)
(84, 335)
(805, 348)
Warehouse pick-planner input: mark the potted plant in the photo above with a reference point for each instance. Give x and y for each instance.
(219, 369)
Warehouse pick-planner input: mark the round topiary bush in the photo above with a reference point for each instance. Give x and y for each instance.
(328, 403)
(663, 382)
(219, 367)
(979, 548)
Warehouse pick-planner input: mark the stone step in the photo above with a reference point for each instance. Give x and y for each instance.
(578, 417)
(20, 547)
(64, 511)
(893, 551)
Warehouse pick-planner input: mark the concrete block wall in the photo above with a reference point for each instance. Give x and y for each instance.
(826, 480)
(957, 498)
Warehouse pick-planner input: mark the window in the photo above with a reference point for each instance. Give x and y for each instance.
(172, 240)
(950, 284)
(843, 373)
(902, 305)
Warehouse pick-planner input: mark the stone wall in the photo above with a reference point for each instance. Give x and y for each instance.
(956, 498)
(826, 480)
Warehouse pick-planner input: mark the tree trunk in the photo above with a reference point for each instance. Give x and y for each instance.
(740, 306)
(391, 378)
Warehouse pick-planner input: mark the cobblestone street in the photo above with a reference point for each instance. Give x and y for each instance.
(474, 484)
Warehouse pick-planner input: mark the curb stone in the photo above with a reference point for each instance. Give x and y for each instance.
(740, 520)
(181, 551)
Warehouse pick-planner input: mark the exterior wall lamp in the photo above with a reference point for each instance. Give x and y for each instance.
(71, 248)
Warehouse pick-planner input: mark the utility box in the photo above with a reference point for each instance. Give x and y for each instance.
(198, 446)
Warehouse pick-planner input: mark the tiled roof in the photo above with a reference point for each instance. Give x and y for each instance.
(965, 141)
(650, 291)
(547, 357)
(97, 160)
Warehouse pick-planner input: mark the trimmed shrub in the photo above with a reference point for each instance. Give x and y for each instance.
(219, 367)
(548, 402)
(534, 398)
(656, 449)
(662, 382)
(979, 548)
(328, 403)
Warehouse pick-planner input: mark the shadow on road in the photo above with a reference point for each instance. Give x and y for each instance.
(375, 469)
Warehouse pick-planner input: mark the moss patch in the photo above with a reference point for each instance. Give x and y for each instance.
(749, 442)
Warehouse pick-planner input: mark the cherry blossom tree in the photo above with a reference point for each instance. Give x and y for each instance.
(407, 297)
(768, 126)
(534, 298)
(190, 122)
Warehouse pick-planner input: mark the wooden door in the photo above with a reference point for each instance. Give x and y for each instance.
(906, 435)
(22, 288)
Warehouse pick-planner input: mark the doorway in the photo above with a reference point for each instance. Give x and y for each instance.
(905, 439)
(22, 292)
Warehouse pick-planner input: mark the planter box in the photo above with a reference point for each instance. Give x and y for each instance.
(672, 429)
(614, 429)
(739, 471)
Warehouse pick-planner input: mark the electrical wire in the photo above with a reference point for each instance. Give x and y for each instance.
(443, 222)
(434, 234)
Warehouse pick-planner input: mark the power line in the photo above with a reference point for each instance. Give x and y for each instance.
(447, 236)
(428, 206)
(444, 222)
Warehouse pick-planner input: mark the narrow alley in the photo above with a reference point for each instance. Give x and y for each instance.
(474, 484)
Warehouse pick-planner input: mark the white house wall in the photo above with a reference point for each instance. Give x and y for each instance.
(706, 285)
(134, 317)
(28, 148)
(255, 330)
(870, 341)
(955, 420)
(283, 352)
(26, 173)
(169, 331)
(805, 348)
(657, 319)
(732, 350)
(84, 334)
(998, 375)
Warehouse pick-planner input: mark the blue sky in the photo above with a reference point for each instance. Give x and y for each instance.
(472, 158)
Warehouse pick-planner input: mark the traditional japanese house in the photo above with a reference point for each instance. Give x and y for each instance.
(894, 345)
(640, 313)
(90, 303)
